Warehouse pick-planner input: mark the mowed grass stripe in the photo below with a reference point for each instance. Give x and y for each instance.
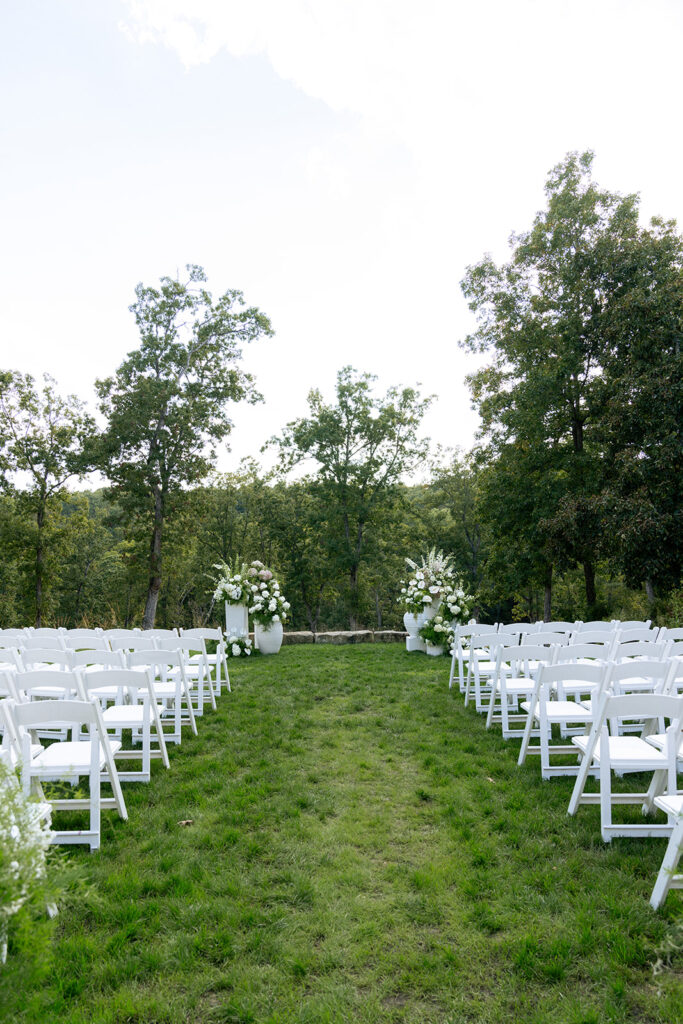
(361, 849)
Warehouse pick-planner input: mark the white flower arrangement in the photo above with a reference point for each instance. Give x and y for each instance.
(24, 839)
(267, 603)
(431, 578)
(238, 646)
(438, 632)
(232, 584)
(457, 603)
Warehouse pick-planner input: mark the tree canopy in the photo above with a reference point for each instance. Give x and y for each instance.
(167, 404)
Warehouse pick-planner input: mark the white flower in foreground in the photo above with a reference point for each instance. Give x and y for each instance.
(426, 599)
(276, 618)
(434, 590)
(236, 650)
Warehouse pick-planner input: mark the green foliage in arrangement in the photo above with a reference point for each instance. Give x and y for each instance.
(345, 841)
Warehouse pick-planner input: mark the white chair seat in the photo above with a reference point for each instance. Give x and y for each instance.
(126, 716)
(69, 756)
(659, 741)
(165, 691)
(561, 711)
(627, 752)
(48, 692)
(670, 803)
(521, 685)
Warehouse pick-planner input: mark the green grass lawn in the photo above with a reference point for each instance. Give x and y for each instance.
(361, 849)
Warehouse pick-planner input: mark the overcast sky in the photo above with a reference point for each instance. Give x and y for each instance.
(339, 161)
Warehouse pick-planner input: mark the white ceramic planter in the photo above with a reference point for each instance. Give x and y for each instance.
(236, 620)
(435, 651)
(268, 641)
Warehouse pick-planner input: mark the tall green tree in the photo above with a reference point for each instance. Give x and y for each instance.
(361, 446)
(166, 406)
(42, 440)
(549, 318)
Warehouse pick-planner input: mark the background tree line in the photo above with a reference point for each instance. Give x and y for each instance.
(569, 505)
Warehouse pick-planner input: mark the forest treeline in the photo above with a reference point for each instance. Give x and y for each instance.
(568, 506)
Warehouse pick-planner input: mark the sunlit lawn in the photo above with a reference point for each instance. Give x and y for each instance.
(361, 849)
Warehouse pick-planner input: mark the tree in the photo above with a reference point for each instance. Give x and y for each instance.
(166, 404)
(551, 318)
(362, 446)
(43, 437)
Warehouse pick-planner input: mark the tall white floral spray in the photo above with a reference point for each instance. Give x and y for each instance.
(431, 579)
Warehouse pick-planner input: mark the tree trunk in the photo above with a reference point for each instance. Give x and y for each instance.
(548, 595)
(378, 609)
(154, 562)
(353, 599)
(40, 565)
(589, 577)
(650, 591)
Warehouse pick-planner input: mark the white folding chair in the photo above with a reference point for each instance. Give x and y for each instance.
(87, 643)
(558, 626)
(553, 702)
(628, 754)
(89, 755)
(171, 686)
(197, 670)
(48, 633)
(219, 660)
(672, 805)
(597, 626)
(35, 643)
(77, 637)
(119, 634)
(647, 650)
(514, 679)
(549, 638)
(464, 642)
(141, 714)
(634, 624)
(585, 654)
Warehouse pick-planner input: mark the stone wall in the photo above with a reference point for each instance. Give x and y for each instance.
(346, 636)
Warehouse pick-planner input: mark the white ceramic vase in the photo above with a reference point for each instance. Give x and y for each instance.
(412, 624)
(268, 641)
(236, 620)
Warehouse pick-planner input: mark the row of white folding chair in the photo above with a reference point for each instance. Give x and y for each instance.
(88, 754)
(111, 639)
(190, 647)
(511, 677)
(469, 640)
(484, 663)
(140, 713)
(626, 754)
(615, 646)
(565, 695)
(169, 668)
(605, 748)
(477, 636)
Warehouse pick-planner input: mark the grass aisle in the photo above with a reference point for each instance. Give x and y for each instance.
(360, 849)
